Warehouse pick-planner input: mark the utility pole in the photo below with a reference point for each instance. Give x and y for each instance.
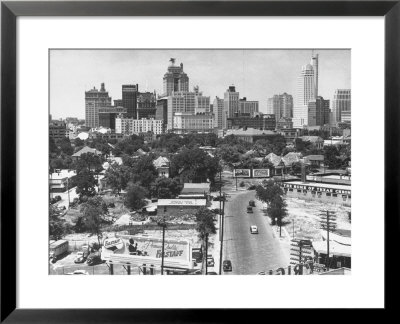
(206, 252)
(163, 225)
(69, 202)
(222, 235)
(328, 223)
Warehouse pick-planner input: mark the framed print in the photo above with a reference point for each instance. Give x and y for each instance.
(196, 138)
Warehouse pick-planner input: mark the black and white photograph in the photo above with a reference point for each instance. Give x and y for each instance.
(199, 161)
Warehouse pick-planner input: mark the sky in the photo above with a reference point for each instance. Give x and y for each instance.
(256, 74)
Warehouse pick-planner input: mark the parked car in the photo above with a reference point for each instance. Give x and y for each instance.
(249, 209)
(219, 198)
(81, 257)
(252, 203)
(253, 229)
(227, 265)
(210, 261)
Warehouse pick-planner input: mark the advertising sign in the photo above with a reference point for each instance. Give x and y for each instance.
(137, 249)
(261, 173)
(242, 173)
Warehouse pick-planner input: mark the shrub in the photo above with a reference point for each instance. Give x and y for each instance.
(242, 184)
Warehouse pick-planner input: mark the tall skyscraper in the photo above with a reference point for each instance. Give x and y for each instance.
(175, 80)
(341, 102)
(305, 93)
(314, 63)
(129, 99)
(94, 100)
(231, 105)
(218, 107)
(146, 105)
(318, 112)
(281, 106)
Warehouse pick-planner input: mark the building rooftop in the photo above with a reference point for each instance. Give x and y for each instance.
(322, 185)
(85, 150)
(182, 202)
(249, 132)
(62, 174)
(205, 186)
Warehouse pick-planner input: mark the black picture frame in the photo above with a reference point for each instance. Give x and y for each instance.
(11, 10)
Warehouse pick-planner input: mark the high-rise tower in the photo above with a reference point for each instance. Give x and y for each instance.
(94, 100)
(314, 63)
(175, 80)
(305, 92)
(129, 99)
(341, 102)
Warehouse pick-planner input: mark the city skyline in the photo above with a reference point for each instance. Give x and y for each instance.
(256, 74)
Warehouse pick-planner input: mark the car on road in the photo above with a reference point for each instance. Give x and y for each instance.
(252, 203)
(78, 272)
(249, 209)
(210, 261)
(253, 229)
(227, 265)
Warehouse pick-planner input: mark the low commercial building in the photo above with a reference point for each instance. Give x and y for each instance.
(251, 135)
(259, 121)
(107, 116)
(314, 160)
(179, 207)
(324, 192)
(195, 191)
(59, 181)
(188, 123)
(136, 126)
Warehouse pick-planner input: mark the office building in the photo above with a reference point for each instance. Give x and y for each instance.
(305, 93)
(129, 99)
(94, 100)
(107, 116)
(184, 123)
(175, 80)
(218, 107)
(259, 121)
(162, 111)
(231, 105)
(146, 105)
(58, 129)
(318, 112)
(131, 126)
(281, 106)
(341, 103)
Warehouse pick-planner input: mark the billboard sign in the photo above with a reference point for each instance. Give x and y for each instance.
(140, 249)
(242, 173)
(261, 173)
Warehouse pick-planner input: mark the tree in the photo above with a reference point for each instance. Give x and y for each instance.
(78, 142)
(93, 212)
(65, 146)
(194, 165)
(89, 161)
(53, 147)
(205, 226)
(58, 227)
(277, 211)
(117, 176)
(135, 196)
(267, 191)
(331, 157)
(85, 184)
(166, 188)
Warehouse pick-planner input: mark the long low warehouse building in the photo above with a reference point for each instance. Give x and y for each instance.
(323, 191)
(177, 207)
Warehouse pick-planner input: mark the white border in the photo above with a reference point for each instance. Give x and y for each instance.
(364, 288)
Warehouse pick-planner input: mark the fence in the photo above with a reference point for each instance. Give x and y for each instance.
(76, 245)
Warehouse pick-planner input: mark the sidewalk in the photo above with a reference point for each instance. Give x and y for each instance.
(284, 240)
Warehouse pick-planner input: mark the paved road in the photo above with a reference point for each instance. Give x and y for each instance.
(249, 253)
